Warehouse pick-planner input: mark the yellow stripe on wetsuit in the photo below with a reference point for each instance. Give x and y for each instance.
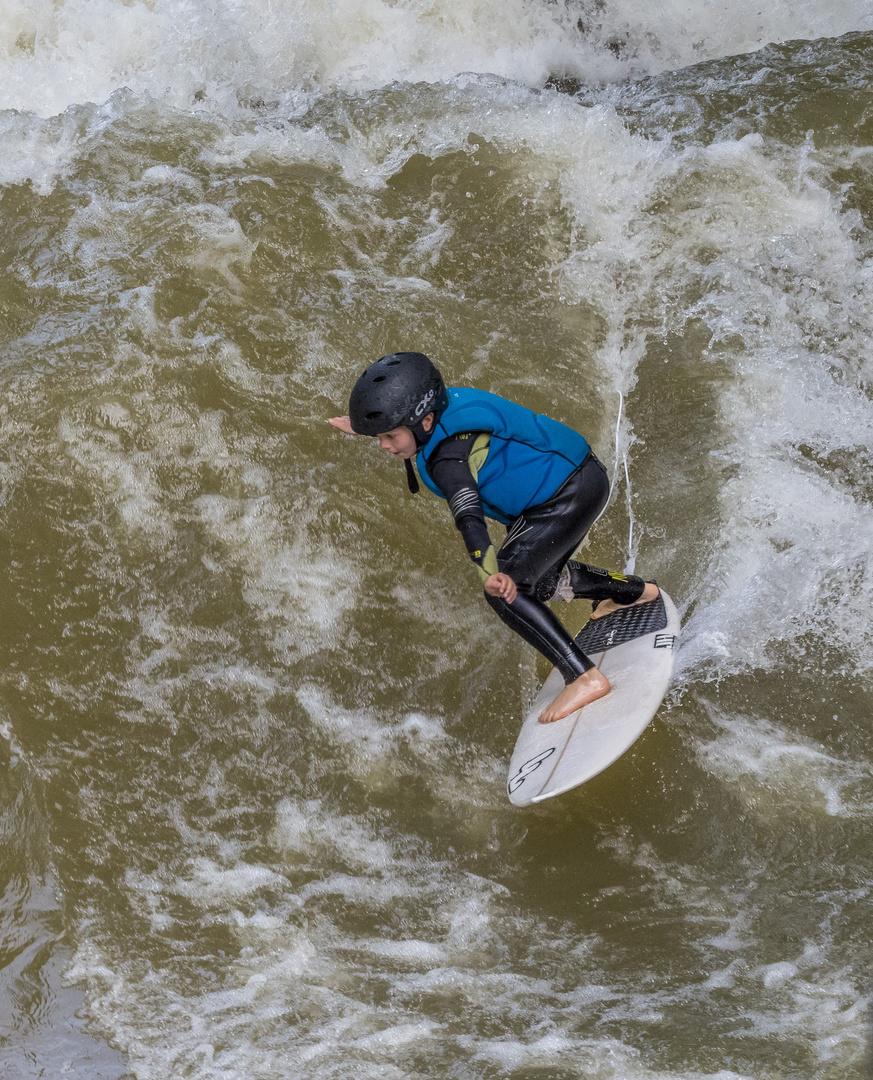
(478, 454)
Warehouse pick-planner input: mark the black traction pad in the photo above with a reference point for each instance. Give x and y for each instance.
(619, 627)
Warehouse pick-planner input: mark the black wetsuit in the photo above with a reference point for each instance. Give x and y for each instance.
(537, 548)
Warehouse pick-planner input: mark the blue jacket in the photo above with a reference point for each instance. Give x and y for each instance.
(529, 458)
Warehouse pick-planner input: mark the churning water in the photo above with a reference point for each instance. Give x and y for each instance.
(255, 715)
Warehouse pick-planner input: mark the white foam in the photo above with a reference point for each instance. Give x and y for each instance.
(208, 883)
(408, 953)
(39, 152)
(777, 974)
(284, 974)
(780, 294)
(307, 831)
(778, 772)
(399, 1036)
(606, 1059)
(194, 55)
(371, 747)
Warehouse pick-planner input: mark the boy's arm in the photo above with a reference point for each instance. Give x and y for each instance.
(449, 467)
(343, 423)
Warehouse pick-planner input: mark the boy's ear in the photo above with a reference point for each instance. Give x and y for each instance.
(427, 422)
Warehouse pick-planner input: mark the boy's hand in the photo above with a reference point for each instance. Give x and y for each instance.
(503, 586)
(343, 423)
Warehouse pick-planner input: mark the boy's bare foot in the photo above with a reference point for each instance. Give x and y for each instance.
(606, 607)
(582, 691)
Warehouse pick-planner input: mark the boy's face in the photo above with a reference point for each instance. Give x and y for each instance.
(400, 441)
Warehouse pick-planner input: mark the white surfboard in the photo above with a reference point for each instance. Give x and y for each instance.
(634, 648)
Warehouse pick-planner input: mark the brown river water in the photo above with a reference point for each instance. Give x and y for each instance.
(256, 718)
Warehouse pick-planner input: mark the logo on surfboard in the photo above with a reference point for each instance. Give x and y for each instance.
(515, 781)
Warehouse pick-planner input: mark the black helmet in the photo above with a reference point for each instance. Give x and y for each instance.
(397, 391)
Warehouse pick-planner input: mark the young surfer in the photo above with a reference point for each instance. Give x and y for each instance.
(489, 457)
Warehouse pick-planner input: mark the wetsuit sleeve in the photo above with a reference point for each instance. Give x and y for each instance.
(449, 466)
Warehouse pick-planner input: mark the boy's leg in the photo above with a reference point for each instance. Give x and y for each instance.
(537, 545)
(579, 581)
(541, 628)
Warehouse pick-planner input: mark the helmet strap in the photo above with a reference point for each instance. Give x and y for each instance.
(411, 478)
(422, 437)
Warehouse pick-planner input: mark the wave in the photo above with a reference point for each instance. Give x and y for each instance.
(194, 54)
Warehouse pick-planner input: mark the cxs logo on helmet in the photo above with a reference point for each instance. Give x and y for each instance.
(425, 401)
